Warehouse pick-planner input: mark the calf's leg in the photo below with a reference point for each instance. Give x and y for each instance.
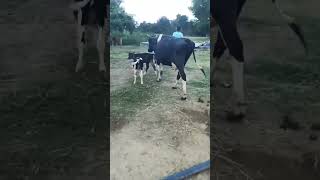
(134, 74)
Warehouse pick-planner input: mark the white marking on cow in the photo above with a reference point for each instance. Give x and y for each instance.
(173, 66)
(159, 38)
(141, 76)
(101, 47)
(184, 87)
(238, 85)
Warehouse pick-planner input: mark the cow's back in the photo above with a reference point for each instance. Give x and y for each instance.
(169, 47)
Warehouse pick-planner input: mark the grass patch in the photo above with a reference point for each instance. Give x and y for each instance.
(303, 74)
(126, 101)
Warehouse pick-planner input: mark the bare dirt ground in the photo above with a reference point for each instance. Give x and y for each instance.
(153, 132)
(282, 86)
(47, 110)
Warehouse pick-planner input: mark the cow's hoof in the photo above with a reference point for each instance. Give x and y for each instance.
(174, 87)
(158, 80)
(183, 98)
(102, 68)
(79, 67)
(231, 116)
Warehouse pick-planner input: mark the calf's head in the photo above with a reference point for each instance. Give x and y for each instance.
(131, 56)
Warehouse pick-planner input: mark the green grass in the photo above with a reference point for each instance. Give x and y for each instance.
(289, 83)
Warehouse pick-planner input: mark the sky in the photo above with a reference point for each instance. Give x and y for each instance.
(151, 10)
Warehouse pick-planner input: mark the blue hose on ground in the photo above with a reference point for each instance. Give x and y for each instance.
(189, 172)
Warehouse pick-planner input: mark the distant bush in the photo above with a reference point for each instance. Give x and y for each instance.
(134, 39)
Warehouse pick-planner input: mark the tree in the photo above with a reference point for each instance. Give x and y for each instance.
(182, 20)
(120, 21)
(163, 26)
(201, 10)
(146, 27)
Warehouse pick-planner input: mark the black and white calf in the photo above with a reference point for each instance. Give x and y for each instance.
(141, 63)
(90, 12)
(174, 52)
(225, 14)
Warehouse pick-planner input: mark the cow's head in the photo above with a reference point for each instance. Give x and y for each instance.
(152, 43)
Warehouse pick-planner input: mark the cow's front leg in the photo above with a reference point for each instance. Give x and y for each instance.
(101, 48)
(141, 76)
(158, 72)
(81, 42)
(154, 67)
(145, 68)
(161, 70)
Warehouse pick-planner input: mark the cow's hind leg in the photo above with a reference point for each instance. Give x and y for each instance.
(232, 39)
(218, 50)
(177, 78)
(159, 71)
(184, 81)
(101, 48)
(80, 41)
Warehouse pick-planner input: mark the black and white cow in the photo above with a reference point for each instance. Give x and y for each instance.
(225, 14)
(140, 63)
(174, 52)
(90, 12)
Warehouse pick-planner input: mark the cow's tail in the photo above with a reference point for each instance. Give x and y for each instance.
(293, 25)
(194, 57)
(80, 4)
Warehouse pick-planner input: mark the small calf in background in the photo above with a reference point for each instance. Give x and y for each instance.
(141, 61)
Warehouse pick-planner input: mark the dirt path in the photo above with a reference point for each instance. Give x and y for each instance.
(162, 135)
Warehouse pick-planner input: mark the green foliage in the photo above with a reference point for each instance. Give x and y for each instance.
(134, 39)
(201, 10)
(119, 19)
